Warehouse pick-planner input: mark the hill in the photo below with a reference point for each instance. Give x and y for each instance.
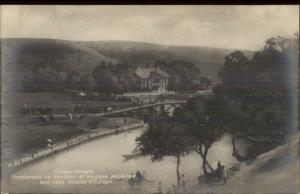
(209, 60)
(59, 54)
(32, 60)
(44, 61)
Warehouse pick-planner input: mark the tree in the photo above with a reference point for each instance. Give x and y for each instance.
(165, 137)
(126, 78)
(235, 121)
(202, 115)
(182, 74)
(259, 92)
(233, 73)
(106, 82)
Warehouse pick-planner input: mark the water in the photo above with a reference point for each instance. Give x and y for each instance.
(104, 157)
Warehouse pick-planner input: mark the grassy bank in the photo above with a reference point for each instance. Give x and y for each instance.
(61, 102)
(26, 135)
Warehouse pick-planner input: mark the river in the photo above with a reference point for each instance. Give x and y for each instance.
(103, 157)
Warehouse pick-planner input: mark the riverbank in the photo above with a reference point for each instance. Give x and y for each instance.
(274, 171)
(22, 136)
(96, 133)
(105, 157)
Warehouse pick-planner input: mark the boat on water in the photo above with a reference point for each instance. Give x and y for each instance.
(264, 139)
(131, 156)
(274, 136)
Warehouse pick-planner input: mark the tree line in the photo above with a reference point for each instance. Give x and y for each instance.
(122, 78)
(255, 98)
(108, 78)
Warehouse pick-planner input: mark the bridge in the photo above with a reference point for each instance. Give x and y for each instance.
(161, 105)
(165, 105)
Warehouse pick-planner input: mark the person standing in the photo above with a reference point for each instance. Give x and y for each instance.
(183, 183)
(224, 175)
(159, 189)
(131, 180)
(219, 171)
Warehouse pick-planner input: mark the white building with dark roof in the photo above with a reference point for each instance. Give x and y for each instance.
(152, 79)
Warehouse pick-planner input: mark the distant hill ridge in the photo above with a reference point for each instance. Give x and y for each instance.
(28, 54)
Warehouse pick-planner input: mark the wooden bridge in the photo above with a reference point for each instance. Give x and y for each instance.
(162, 105)
(165, 105)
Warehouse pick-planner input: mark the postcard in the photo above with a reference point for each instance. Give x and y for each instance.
(149, 99)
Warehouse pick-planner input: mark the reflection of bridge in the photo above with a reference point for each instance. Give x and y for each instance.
(163, 106)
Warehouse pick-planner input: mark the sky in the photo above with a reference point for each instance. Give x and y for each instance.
(238, 27)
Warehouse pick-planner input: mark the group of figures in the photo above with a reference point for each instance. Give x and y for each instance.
(221, 173)
(218, 176)
(137, 180)
(181, 188)
(47, 114)
(75, 113)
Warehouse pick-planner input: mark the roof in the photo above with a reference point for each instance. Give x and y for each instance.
(146, 72)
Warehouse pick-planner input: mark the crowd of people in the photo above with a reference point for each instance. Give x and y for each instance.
(46, 114)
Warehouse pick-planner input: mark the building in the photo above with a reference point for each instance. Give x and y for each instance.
(202, 83)
(152, 79)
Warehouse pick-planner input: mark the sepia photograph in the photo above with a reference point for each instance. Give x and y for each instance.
(160, 99)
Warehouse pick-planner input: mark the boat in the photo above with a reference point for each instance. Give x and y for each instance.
(263, 139)
(131, 156)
